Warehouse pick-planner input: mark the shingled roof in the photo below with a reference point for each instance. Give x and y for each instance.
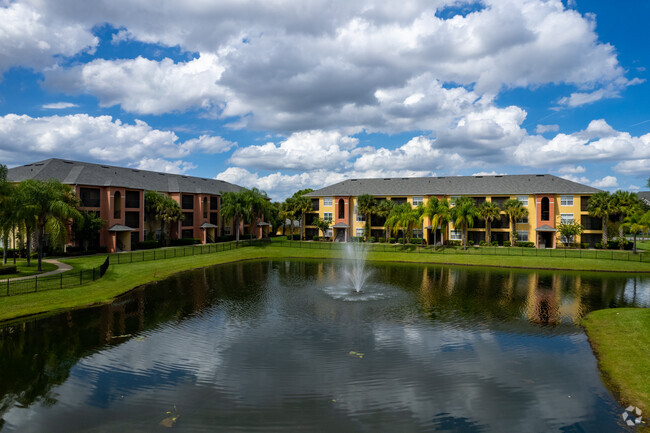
(85, 173)
(456, 185)
(644, 196)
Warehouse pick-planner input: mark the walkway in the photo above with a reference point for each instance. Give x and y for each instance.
(62, 268)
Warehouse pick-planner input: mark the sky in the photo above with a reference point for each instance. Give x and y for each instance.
(287, 94)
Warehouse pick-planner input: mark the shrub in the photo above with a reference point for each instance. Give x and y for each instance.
(357, 239)
(146, 245)
(8, 269)
(417, 241)
(584, 246)
(526, 244)
(454, 243)
(316, 238)
(470, 243)
(483, 244)
(185, 241)
(599, 245)
(391, 240)
(382, 240)
(400, 240)
(494, 243)
(371, 239)
(102, 250)
(506, 243)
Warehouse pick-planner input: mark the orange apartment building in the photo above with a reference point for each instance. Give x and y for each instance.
(116, 194)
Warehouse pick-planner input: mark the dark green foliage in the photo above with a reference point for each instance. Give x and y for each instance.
(506, 243)
(146, 245)
(185, 241)
(8, 269)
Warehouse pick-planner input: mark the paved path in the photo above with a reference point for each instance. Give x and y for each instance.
(62, 268)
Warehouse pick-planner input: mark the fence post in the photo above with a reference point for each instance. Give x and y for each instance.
(81, 275)
(94, 271)
(61, 285)
(36, 283)
(7, 286)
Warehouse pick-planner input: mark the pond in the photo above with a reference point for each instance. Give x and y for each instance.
(279, 346)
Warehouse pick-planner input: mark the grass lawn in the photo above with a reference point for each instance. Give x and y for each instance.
(124, 277)
(621, 339)
(643, 245)
(26, 271)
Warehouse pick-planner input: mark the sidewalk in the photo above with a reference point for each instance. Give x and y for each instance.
(62, 268)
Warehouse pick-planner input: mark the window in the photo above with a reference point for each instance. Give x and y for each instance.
(360, 232)
(132, 199)
(188, 219)
(566, 240)
(214, 202)
(417, 233)
(187, 201)
(328, 201)
(327, 216)
(566, 200)
(545, 209)
(117, 205)
(455, 235)
(522, 236)
(523, 199)
(453, 199)
(132, 219)
(566, 218)
(205, 207)
(417, 200)
(227, 230)
(89, 197)
(214, 218)
(328, 233)
(523, 220)
(341, 208)
(187, 234)
(361, 218)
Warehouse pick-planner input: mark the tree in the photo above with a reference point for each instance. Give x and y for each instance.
(383, 210)
(323, 225)
(169, 211)
(570, 230)
(46, 208)
(86, 227)
(403, 217)
(300, 206)
(366, 205)
(274, 216)
(287, 214)
(463, 215)
(438, 213)
(152, 206)
(625, 203)
(7, 211)
(637, 222)
(258, 205)
(601, 205)
(515, 211)
(489, 211)
(234, 207)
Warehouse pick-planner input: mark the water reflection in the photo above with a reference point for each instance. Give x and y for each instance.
(264, 345)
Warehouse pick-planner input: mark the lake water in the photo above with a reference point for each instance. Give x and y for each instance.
(286, 346)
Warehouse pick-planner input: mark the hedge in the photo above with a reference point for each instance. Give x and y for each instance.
(8, 269)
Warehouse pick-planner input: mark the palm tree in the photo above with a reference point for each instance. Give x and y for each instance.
(515, 210)
(625, 203)
(7, 211)
(403, 217)
(287, 214)
(152, 204)
(234, 207)
(489, 211)
(46, 207)
(300, 205)
(463, 214)
(383, 210)
(601, 205)
(635, 223)
(258, 206)
(366, 205)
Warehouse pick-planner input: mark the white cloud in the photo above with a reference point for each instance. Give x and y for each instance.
(542, 129)
(208, 144)
(31, 37)
(638, 166)
(58, 105)
(634, 187)
(571, 169)
(80, 136)
(605, 182)
(488, 173)
(574, 178)
(163, 165)
(306, 150)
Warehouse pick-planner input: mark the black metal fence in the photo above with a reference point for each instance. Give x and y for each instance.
(170, 253)
(566, 253)
(52, 282)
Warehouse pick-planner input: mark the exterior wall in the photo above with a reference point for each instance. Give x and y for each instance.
(573, 209)
(346, 214)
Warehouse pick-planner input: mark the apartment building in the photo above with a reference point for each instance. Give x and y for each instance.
(116, 195)
(549, 200)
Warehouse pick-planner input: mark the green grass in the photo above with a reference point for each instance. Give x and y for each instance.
(643, 245)
(124, 277)
(621, 338)
(26, 271)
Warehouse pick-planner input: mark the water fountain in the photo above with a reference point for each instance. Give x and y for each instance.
(356, 254)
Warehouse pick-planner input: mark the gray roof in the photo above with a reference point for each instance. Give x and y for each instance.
(455, 185)
(208, 226)
(85, 173)
(644, 196)
(545, 228)
(120, 228)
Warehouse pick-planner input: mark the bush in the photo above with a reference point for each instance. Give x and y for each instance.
(454, 243)
(506, 243)
(417, 241)
(102, 250)
(382, 240)
(494, 243)
(526, 244)
(10, 252)
(599, 245)
(483, 244)
(316, 238)
(8, 269)
(146, 245)
(470, 243)
(584, 246)
(357, 239)
(371, 239)
(400, 240)
(391, 240)
(185, 241)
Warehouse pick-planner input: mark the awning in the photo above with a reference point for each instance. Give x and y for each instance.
(340, 226)
(208, 226)
(545, 228)
(263, 224)
(120, 228)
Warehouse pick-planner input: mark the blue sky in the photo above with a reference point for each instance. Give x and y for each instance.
(286, 95)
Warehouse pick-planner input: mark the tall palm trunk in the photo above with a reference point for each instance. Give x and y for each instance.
(29, 246)
(5, 243)
(605, 221)
(237, 229)
(621, 239)
(465, 237)
(40, 236)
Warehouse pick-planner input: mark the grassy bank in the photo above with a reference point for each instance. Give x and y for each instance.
(124, 277)
(621, 338)
(26, 271)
